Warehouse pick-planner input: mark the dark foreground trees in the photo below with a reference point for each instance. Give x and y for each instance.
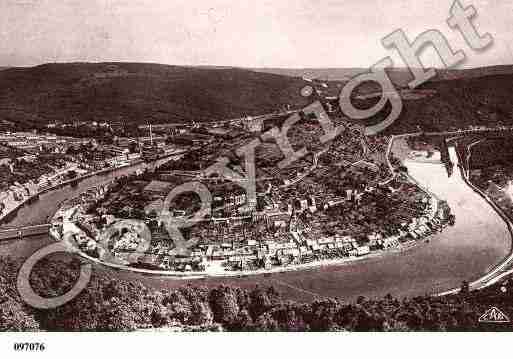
(109, 304)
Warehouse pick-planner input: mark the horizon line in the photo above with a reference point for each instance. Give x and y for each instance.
(246, 67)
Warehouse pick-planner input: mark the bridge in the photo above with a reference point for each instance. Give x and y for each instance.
(23, 232)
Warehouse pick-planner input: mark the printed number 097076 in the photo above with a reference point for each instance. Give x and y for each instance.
(29, 347)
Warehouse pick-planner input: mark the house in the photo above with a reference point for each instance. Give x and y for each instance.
(252, 124)
(363, 250)
(280, 224)
(251, 242)
(303, 204)
(390, 242)
(374, 240)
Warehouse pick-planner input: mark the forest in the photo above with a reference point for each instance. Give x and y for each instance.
(108, 304)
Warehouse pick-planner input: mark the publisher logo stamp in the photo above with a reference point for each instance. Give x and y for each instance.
(494, 315)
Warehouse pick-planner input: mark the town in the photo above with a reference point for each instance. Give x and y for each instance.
(35, 161)
(340, 201)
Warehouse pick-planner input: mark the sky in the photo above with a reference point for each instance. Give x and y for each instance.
(245, 33)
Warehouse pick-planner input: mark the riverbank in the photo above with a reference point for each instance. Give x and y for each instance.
(36, 195)
(5, 216)
(489, 278)
(482, 281)
(467, 251)
(214, 268)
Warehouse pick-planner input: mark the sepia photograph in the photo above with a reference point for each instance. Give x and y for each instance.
(172, 169)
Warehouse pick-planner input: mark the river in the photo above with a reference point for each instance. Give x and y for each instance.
(478, 241)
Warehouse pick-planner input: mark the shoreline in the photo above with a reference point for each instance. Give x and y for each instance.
(335, 274)
(494, 274)
(186, 276)
(179, 275)
(35, 196)
(56, 186)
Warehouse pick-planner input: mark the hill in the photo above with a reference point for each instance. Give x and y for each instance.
(140, 93)
(333, 73)
(134, 92)
(399, 76)
(459, 103)
(473, 73)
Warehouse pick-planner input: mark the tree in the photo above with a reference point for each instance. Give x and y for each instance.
(13, 316)
(265, 323)
(179, 307)
(223, 302)
(243, 322)
(323, 314)
(200, 314)
(117, 316)
(159, 315)
(289, 317)
(260, 302)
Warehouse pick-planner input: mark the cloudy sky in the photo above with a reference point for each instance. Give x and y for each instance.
(249, 33)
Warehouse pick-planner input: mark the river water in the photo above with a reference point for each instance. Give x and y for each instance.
(478, 241)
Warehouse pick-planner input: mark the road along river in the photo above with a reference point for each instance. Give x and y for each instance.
(474, 246)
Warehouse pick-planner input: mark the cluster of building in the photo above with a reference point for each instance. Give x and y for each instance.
(35, 142)
(282, 238)
(33, 162)
(287, 222)
(272, 234)
(18, 193)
